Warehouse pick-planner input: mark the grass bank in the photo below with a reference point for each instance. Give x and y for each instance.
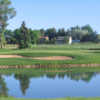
(88, 54)
(53, 99)
(41, 71)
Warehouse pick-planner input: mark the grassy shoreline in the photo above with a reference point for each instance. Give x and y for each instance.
(51, 66)
(10, 98)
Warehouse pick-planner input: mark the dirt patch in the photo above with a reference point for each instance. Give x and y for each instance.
(53, 58)
(10, 56)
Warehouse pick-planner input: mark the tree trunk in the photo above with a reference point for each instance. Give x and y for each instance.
(2, 38)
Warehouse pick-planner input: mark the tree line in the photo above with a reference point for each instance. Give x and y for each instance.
(25, 37)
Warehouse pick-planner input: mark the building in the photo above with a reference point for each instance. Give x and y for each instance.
(43, 39)
(60, 40)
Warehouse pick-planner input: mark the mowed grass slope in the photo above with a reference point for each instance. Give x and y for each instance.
(81, 53)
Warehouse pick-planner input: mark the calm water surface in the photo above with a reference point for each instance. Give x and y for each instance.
(50, 85)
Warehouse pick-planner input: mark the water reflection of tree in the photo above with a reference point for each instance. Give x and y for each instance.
(24, 82)
(49, 75)
(81, 76)
(24, 79)
(73, 76)
(3, 88)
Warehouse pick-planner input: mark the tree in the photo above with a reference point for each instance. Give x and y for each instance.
(35, 35)
(16, 34)
(51, 33)
(61, 32)
(6, 13)
(87, 28)
(76, 33)
(91, 35)
(84, 34)
(24, 37)
(42, 31)
(9, 37)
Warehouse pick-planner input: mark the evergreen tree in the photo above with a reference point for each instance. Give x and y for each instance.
(24, 37)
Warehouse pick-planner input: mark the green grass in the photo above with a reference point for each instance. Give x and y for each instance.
(80, 53)
(42, 71)
(53, 99)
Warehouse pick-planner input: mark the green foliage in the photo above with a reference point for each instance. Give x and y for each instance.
(61, 32)
(84, 34)
(50, 36)
(6, 13)
(87, 28)
(51, 33)
(9, 37)
(24, 37)
(35, 35)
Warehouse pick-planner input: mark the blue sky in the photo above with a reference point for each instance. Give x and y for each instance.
(56, 13)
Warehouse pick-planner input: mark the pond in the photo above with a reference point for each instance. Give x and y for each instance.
(50, 85)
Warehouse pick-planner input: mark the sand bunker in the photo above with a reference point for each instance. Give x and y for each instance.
(10, 56)
(38, 58)
(53, 58)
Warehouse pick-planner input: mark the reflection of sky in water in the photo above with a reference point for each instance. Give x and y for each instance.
(45, 87)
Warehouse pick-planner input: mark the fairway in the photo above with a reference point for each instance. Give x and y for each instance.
(81, 54)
